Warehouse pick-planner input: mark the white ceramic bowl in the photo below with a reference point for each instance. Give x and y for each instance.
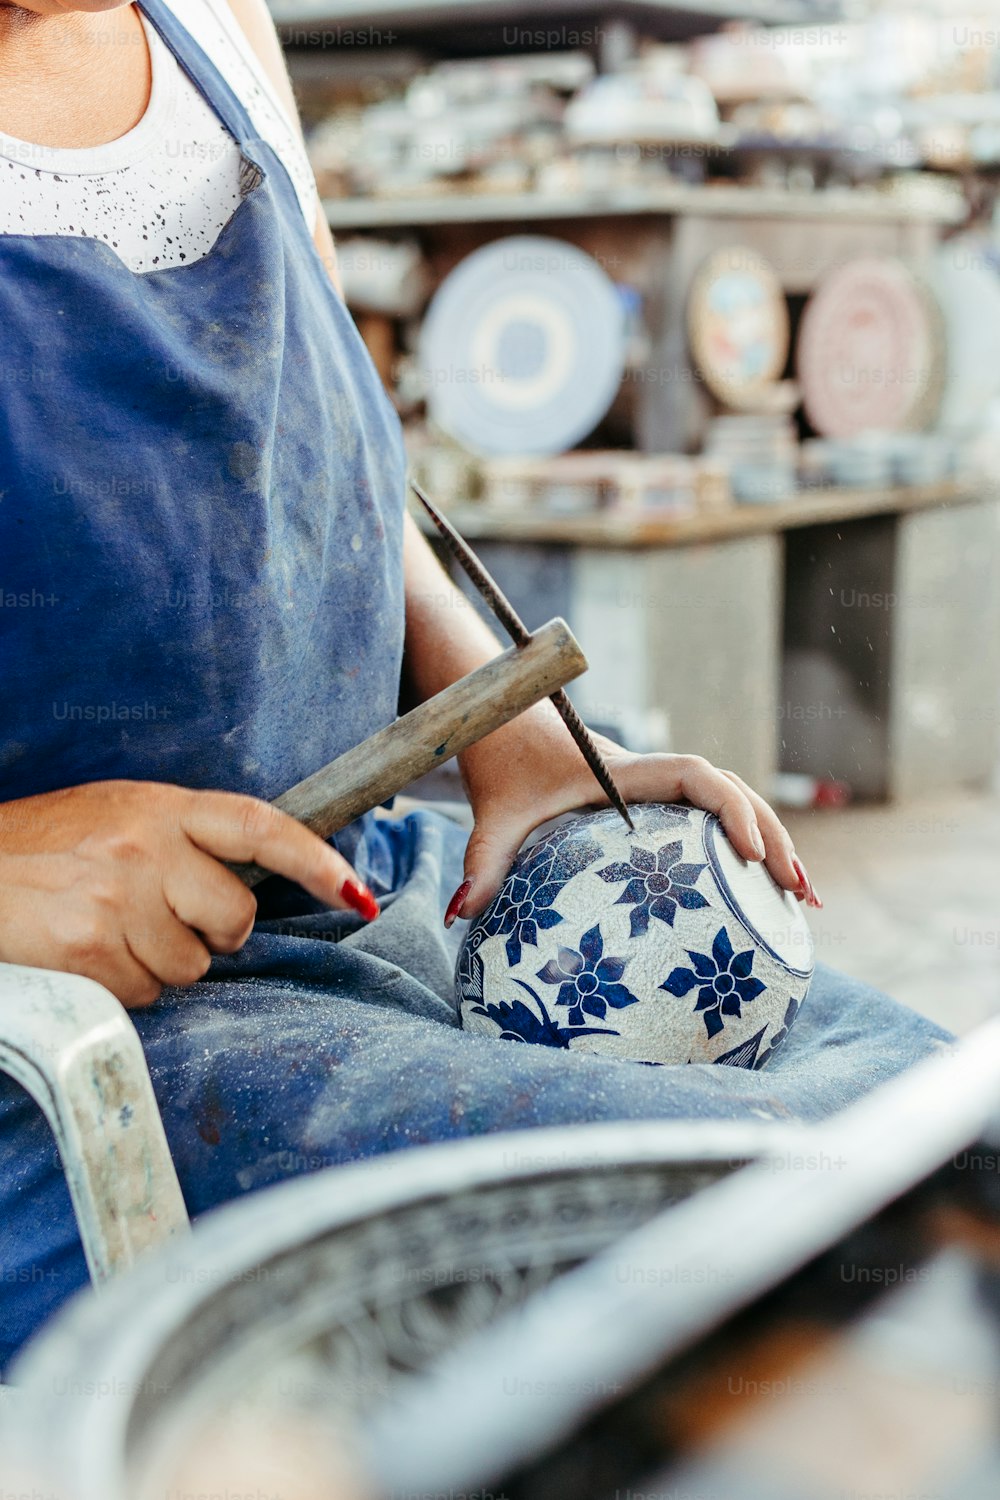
(659, 946)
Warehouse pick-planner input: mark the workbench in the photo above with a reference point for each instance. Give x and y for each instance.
(852, 634)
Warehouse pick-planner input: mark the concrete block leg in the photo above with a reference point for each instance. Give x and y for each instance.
(944, 727)
(690, 636)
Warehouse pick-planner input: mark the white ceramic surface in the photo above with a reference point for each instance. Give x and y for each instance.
(659, 946)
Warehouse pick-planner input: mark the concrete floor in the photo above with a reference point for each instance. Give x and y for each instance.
(911, 900)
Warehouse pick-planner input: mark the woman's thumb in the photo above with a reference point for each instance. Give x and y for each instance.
(488, 856)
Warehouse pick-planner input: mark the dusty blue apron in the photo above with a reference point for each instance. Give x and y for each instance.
(201, 506)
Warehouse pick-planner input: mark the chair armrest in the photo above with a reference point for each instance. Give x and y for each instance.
(71, 1045)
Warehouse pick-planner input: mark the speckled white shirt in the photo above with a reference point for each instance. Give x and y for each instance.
(161, 194)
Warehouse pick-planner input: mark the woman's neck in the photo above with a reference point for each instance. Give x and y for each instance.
(72, 78)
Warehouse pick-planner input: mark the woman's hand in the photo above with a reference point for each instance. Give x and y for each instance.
(525, 774)
(121, 880)
(531, 770)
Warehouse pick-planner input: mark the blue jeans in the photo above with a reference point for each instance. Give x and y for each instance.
(325, 1041)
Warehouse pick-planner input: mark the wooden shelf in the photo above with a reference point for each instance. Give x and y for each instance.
(724, 201)
(658, 17)
(611, 529)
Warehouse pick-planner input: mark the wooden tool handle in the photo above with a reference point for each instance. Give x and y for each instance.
(430, 734)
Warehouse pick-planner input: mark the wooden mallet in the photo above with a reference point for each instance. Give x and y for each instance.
(430, 734)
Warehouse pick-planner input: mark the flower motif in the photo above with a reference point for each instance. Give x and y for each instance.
(525, 902)
(723, 978)
(588, 982)
(657, 884)
(519, 1023)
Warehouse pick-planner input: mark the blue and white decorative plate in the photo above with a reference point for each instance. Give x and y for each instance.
(523, 347)
(659, 946)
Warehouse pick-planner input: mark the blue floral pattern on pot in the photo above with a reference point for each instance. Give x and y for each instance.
(723, 979)
(525, 903)
(680, 950)
(523, 1023)
(657, 884)
(588, 982)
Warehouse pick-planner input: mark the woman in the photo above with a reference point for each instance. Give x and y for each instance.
(208, 584)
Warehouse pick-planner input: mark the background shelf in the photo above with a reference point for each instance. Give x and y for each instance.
(479, 522)
(657, 18)
(670, 198)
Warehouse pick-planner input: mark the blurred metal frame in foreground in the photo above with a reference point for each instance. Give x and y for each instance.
(302, 1304)
(573, 1393)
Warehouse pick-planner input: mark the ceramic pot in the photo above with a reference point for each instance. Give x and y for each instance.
(658, 946)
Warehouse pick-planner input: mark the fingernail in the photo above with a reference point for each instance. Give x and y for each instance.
(457, 902)
(360, 898)
(757, 841)
(805, 884)
(817, 899)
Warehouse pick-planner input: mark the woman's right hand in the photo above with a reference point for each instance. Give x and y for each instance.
(122, 881)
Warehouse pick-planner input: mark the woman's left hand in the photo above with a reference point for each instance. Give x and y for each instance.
(521, 777)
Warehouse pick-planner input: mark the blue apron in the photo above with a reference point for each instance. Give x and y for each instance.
(203, 509)
(202, 502)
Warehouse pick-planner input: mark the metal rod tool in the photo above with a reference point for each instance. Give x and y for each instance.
(519, 634)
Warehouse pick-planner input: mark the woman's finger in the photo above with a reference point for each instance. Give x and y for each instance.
(106, 958)
(59, 926)
(134, 985)
(489, 854)
(752, 826)
(207, 897)
(782, 860)
(665, 778)
(245, 829)
(169, 950)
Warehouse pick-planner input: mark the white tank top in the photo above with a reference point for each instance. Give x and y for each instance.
(161, 194)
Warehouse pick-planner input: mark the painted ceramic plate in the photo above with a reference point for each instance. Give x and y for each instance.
(523, 347)
(871, 350)
(738, 324)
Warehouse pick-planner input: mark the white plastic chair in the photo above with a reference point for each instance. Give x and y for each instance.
(71, 1045)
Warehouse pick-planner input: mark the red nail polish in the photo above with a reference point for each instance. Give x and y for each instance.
(360, 898)
(805, 884)
(457, 902)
